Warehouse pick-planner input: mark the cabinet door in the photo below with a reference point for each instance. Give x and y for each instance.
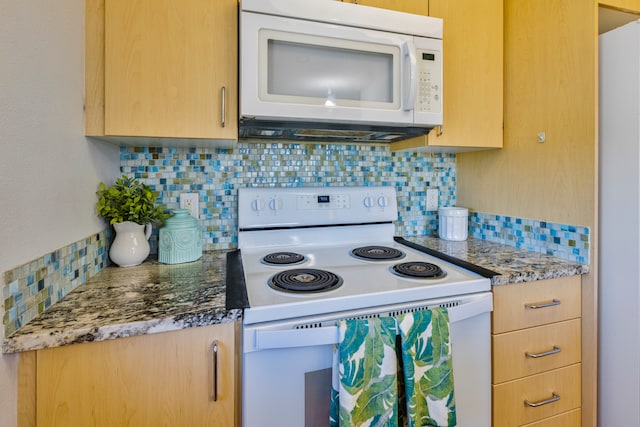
(164, 379)
(472, 76)
(170, 68)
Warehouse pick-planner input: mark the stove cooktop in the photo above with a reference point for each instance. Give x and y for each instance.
(365, 283)
(318, 228)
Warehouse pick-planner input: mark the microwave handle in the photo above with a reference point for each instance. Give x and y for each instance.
(409, 59)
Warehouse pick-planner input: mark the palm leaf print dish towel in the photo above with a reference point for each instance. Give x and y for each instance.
(428, 371)
(365, 388)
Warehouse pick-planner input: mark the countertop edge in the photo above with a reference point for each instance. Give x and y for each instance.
(61, 337)
(511, 265)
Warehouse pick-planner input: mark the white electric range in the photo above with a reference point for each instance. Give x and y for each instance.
(313, 255)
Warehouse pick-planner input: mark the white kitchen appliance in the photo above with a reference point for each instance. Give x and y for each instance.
(311, 256)
(619, 222)
(324, 69)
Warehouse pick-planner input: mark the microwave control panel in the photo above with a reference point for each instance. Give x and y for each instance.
(429, 96)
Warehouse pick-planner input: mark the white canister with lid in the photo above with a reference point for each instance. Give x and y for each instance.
(453, 223)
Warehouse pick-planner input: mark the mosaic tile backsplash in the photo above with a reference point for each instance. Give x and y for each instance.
(560, 240)
(216, 174)
(33, 287)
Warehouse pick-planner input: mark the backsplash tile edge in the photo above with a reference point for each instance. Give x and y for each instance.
(33, 287)
(565, 241)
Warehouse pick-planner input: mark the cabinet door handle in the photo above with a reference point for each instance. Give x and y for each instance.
(554, 398)
(551, 303)
(546, 353)
(214, 351)
(224, 107)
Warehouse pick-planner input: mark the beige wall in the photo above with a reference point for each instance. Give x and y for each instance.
(48, 171)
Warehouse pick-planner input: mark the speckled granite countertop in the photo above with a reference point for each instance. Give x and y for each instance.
(153, 297)
(512, 264)
(122, 302)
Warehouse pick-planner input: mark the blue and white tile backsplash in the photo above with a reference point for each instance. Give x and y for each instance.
(36, 285)
(216, 174)
(560, 240)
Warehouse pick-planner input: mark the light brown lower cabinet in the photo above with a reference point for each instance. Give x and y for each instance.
(182, 378)
(536, 344)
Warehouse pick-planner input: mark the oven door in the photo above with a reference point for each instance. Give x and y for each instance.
(292, 69)
(287, 365)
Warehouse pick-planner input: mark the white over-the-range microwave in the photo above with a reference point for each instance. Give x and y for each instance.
(328, 70)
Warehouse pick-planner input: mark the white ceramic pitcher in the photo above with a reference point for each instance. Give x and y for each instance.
(131, 245)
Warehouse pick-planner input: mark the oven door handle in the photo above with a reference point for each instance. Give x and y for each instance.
(324, 335)
(482, 303)
(296, 338)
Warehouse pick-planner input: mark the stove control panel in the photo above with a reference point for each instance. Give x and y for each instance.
(309, 206)
(323, 201)
(371, 202)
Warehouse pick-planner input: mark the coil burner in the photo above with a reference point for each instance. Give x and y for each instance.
(419, 270)
(304, 280)
(283, 258)
(377, 253)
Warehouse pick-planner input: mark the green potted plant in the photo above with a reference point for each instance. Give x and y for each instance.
(130, 207)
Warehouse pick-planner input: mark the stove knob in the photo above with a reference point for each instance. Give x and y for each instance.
(382, 201)
(275, 204)
(257, 205)
(368, 202)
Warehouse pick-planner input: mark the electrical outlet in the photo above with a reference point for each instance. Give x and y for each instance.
(190, 201)
(432, 199)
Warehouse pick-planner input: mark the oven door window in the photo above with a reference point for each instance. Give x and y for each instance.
(291, 385)
(317, 393)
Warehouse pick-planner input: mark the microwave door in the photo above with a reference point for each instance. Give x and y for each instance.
(301, 70)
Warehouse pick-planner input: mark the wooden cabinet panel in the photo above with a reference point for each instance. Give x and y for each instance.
(165, 64)
(513, 411)
(561, 340)
(552, 332)
(568, 419)
(511, 303)
(473, 73)
(472, 76)
(150, 380)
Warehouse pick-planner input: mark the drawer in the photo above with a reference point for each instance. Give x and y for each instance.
(537, 303)
(568, 419)
(549, 347)
(509, 399)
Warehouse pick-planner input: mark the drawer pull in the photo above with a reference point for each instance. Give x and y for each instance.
(546, 353)
(543, 304)
(554, 398)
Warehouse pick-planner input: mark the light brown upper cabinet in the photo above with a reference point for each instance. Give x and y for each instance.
(162, 68)
(472, 77)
